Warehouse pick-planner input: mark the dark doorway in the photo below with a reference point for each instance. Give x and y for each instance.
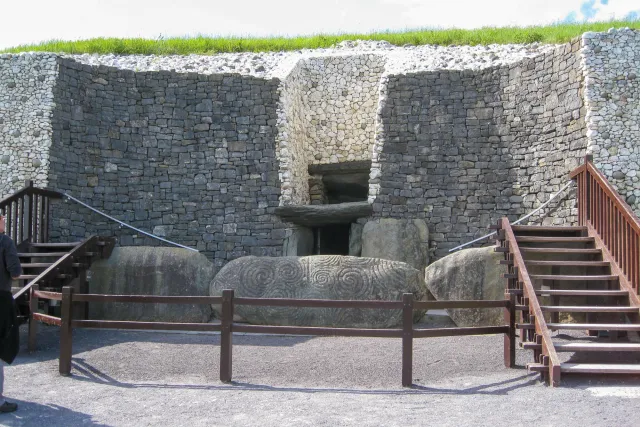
(332, 239)
(346, 187)
(342, 182)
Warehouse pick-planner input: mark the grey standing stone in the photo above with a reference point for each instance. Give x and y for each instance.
(152, 271)
(397, 240)
(355, 239)
(470, 274)
(299, 243)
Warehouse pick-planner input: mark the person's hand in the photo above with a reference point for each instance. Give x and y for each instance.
(16, 278)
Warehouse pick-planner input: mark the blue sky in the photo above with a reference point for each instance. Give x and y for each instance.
(30, 21)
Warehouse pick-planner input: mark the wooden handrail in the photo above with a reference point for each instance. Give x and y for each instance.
(27, 212)
(64, 263)
(611, 221)
(534, 307)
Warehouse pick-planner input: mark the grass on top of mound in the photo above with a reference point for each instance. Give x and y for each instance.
(559, 33)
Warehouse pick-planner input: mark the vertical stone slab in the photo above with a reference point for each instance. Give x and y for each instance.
(299, 242)
(355, 239)
(397, 240)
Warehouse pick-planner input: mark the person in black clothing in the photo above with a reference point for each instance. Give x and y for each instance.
(10, 270)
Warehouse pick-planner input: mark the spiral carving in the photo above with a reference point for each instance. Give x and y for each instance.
(256, 277)
(351, 283)
(319, 277)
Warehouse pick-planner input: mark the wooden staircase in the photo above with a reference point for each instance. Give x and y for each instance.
(47, 266)
(51, 266)
(577, 287)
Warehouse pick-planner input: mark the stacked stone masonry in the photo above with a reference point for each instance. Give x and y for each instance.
(611, 63)
(26, 104)
(201, 150)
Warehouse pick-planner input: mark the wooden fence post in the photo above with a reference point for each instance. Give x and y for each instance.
(33, 323)
(407, 340)
(226, 339)
(510, 337)
(66, 331)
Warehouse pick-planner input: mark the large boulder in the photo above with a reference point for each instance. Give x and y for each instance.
(152, 271)
(405, 240)
(470, 274)
(320, 277)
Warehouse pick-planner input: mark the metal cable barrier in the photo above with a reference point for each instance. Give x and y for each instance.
(553, 196)
(153, 236)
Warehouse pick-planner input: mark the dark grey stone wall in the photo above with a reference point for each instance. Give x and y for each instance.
(190, 157)
(464, 148)
(545, 112)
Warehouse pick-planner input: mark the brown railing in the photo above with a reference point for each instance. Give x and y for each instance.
(27, 212)
(521, 288)
(78, 259)
(227, 326)
(611, 222)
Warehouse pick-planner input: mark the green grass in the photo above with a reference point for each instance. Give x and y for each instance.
(209, 45)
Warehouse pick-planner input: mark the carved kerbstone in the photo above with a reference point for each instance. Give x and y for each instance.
(320, 277)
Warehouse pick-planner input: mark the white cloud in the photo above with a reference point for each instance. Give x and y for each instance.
(30, 21)
(613, 9)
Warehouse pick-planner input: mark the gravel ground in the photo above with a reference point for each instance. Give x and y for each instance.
(149, 378)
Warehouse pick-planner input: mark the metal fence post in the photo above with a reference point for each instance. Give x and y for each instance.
(226, 339)
(66, 331)
(407, 340)
(33, 323)
(510, 337)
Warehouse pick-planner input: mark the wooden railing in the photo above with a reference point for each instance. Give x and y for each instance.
(227, 326)
(77, 260)
(27, 212)
(610, 220)
(522, 282)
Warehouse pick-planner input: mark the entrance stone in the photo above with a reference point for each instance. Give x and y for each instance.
(320, 277)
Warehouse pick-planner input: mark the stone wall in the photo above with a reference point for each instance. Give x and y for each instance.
(440, 156)
(291, 139)
(326, 115)
(203, 154)
(340, 99)
(544, 115)
(611, 63)
(190, 157)
(463, 148)
(26, 103)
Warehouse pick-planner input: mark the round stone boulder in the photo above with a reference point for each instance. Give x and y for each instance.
(470, 274)
(330, 277)
(152, 271)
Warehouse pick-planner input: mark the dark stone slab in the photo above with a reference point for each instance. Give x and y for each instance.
(319, 215)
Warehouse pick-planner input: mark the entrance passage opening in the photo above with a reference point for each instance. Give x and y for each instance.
(331, 239)
(337, 183)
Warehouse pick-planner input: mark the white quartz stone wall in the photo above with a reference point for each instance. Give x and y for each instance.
(327, 114)
(292, 144)
(340, 98)
(611, 65)
(26, 105)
